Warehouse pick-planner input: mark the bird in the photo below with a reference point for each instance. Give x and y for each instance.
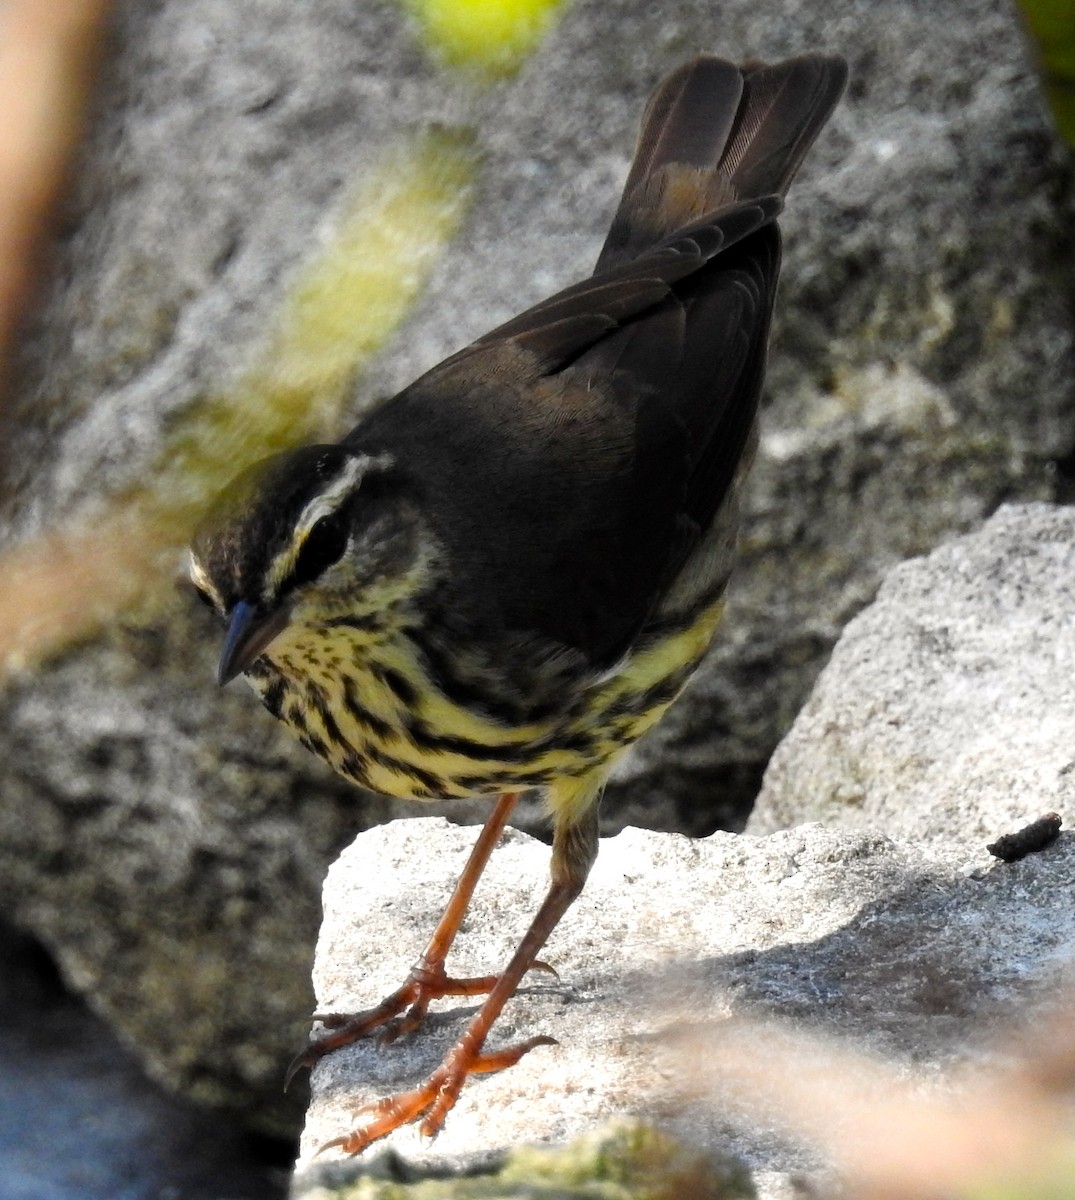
(503, 575)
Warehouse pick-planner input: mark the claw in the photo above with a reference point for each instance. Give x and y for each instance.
(397, 1015)
(498, 1060)
(302, 1059)
(435, 1098)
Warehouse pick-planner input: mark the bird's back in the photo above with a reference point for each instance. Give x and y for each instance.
(574, 459)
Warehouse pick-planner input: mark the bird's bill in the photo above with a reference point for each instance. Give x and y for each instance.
(249, 633)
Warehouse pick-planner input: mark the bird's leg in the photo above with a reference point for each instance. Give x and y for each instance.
(403, 1010)
(574, 850)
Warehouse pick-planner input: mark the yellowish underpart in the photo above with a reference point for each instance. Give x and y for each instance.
(569, 798)
(569, 754)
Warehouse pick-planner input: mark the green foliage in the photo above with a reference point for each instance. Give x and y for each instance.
(1052, 26)
(622, 1161)
(490, 36)
(344, 304)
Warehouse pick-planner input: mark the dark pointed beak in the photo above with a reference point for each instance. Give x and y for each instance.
(249, 633)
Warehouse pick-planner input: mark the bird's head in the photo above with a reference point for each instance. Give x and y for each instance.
(304, 536)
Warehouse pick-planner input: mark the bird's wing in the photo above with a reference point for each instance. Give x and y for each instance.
(571, 459)
(560, 327)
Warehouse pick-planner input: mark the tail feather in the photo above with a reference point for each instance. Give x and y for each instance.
(783, 109)
(689, 119)
(715, 134)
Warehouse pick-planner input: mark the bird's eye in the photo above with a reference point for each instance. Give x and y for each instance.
(324, 545)
(204, 597)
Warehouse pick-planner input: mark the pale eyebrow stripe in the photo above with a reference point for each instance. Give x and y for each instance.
(200, 578)
(328, 501)
(324, 504)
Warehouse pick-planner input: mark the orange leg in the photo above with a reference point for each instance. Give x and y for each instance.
(403, 1011)
(574, 849)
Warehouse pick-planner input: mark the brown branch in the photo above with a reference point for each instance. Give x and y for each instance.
(48, 52)
(892, 1138)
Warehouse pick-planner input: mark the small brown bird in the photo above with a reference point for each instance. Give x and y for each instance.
(504, 575)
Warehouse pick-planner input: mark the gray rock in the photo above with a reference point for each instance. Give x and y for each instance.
(947, 710)
(165, 839)
(906, 950)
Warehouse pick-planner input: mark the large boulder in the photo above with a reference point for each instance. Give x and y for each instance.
(911, 954)
(948, 706)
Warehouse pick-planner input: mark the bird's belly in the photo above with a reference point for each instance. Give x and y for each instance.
(380, 719)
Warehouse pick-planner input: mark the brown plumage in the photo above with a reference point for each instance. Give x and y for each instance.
(506, 573)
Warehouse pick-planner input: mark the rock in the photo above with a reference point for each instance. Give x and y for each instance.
(904, 949)
(624, 1160)
(947, 709)
(166, 840)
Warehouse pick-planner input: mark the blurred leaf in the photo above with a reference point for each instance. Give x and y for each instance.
(1052, 1179)
(1052, 25)
(346, 302)
(622, 1160)
(493, 36)
(48, 58)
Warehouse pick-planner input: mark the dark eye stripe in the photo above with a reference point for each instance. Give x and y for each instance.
(324, 545)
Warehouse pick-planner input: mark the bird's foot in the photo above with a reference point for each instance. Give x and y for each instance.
(398, 1014)
(431, 1102)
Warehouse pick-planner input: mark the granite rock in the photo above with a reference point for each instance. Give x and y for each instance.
(910, 951)
(947, 709)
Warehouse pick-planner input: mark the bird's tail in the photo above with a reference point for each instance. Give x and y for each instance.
(715, 134)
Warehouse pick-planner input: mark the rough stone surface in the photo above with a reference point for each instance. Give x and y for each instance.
(909, 950)
(947, 709)
(164, 839)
